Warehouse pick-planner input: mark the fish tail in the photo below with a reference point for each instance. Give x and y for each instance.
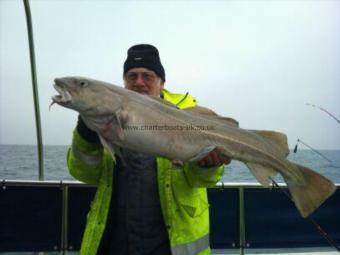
(308, 196)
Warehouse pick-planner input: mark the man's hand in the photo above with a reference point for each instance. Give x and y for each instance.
(213, 160)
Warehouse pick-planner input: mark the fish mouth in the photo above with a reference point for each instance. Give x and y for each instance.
(64, 97)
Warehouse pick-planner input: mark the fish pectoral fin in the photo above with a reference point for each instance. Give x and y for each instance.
(108, 146)
(121, 118)
(204, 152)
(162, 101)
(120, 132)
(263, 174)
(276, 138)
(113, 149)
(309, 196)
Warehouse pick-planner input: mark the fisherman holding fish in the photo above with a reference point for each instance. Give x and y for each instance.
(144, 205)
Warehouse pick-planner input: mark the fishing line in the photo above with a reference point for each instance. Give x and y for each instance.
(324, 110)
(299, 141)
(317, 225)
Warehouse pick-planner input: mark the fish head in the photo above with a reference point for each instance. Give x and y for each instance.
(86, 96)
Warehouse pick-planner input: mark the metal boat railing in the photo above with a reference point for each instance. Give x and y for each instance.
(51, 216)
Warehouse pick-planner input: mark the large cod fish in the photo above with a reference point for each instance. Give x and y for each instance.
(124, 118)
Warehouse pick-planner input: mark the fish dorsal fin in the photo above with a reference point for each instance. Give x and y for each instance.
(229, 121)
(211, 115)
(277, 138)
(162, 101)
(262, 173)
(201, 110)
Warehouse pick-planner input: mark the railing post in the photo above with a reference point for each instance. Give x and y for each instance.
(64, 219)
(241, 220)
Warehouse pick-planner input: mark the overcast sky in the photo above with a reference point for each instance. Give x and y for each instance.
(259, 62)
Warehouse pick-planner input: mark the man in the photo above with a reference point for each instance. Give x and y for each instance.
(146, 206)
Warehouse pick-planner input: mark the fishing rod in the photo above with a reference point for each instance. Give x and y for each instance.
(324, 110)
(35, 89)
(316, 151)
(317, 225)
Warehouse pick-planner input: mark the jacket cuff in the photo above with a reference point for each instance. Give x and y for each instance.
(86, 133)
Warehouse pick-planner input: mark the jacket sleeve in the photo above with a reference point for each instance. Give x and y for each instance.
(85, 160)
(202, 176)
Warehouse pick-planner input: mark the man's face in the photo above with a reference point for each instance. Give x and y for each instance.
(144, 81)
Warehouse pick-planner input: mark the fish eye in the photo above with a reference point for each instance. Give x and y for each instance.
(84, 83)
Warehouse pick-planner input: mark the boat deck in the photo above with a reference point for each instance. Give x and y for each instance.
(50, 216)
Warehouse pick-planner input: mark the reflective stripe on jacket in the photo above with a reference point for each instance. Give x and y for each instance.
(182, 192)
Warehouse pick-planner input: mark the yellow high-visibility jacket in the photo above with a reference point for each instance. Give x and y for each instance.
(182, 192)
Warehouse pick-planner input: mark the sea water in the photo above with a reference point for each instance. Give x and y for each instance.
(21, 162)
